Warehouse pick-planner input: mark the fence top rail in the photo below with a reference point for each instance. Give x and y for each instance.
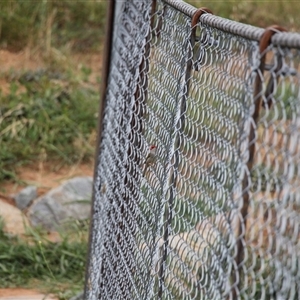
(285, 39)
(182, 6)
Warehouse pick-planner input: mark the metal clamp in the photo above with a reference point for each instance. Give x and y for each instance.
(195, 19)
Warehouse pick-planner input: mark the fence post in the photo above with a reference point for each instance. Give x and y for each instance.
(104, 80)
(264, 42)
(179, 127)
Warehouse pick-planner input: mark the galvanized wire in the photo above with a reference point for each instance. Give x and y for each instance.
(216, 215)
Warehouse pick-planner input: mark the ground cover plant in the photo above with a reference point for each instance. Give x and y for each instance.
(49, 114)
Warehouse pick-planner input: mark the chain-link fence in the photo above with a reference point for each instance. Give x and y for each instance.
(197, 180)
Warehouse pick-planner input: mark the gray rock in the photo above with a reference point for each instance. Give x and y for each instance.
(25, 197)
(71, 200)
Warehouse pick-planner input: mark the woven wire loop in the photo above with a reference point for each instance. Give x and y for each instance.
(176, 228)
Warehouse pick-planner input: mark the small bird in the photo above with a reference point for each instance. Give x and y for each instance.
(150, 159)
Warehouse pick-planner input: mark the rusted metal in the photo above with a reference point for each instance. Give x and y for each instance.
(195, 19)
(271, 84)
(105, 74)
(180, 129)
(257, 96)
(266, 38)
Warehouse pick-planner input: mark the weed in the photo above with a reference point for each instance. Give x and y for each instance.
(52, 118)
(35, 261)
(46, 24)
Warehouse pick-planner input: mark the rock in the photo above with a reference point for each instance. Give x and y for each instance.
(25, 197)
(15, 221)
(69, 201)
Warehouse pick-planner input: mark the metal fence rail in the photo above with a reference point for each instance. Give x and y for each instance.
(215, 212)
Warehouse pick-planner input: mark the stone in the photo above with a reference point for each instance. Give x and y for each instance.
(25, 197)
(15, 221)
(70, 201)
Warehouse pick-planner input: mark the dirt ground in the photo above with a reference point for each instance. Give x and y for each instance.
(44, 179)
(44, 176)
(23, 294)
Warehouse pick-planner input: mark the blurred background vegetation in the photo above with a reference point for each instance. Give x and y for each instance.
(261, 13)
(53, 106)
(77, 25)
(50, 63)
(49, 112)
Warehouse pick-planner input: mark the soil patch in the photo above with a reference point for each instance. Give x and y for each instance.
(23, 294)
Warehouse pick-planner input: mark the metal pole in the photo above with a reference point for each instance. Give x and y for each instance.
(105, 73)
(180, 128)
(258, 91)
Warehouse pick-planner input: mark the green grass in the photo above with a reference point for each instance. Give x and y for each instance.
(46, 116)
(49, 114)
(34, 261)
(78, 25)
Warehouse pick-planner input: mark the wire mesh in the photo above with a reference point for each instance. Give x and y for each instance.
(212, 211)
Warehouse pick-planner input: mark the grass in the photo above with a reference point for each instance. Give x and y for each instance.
(34, 261)
(46, 115)
(49, 115)
(78, 25)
